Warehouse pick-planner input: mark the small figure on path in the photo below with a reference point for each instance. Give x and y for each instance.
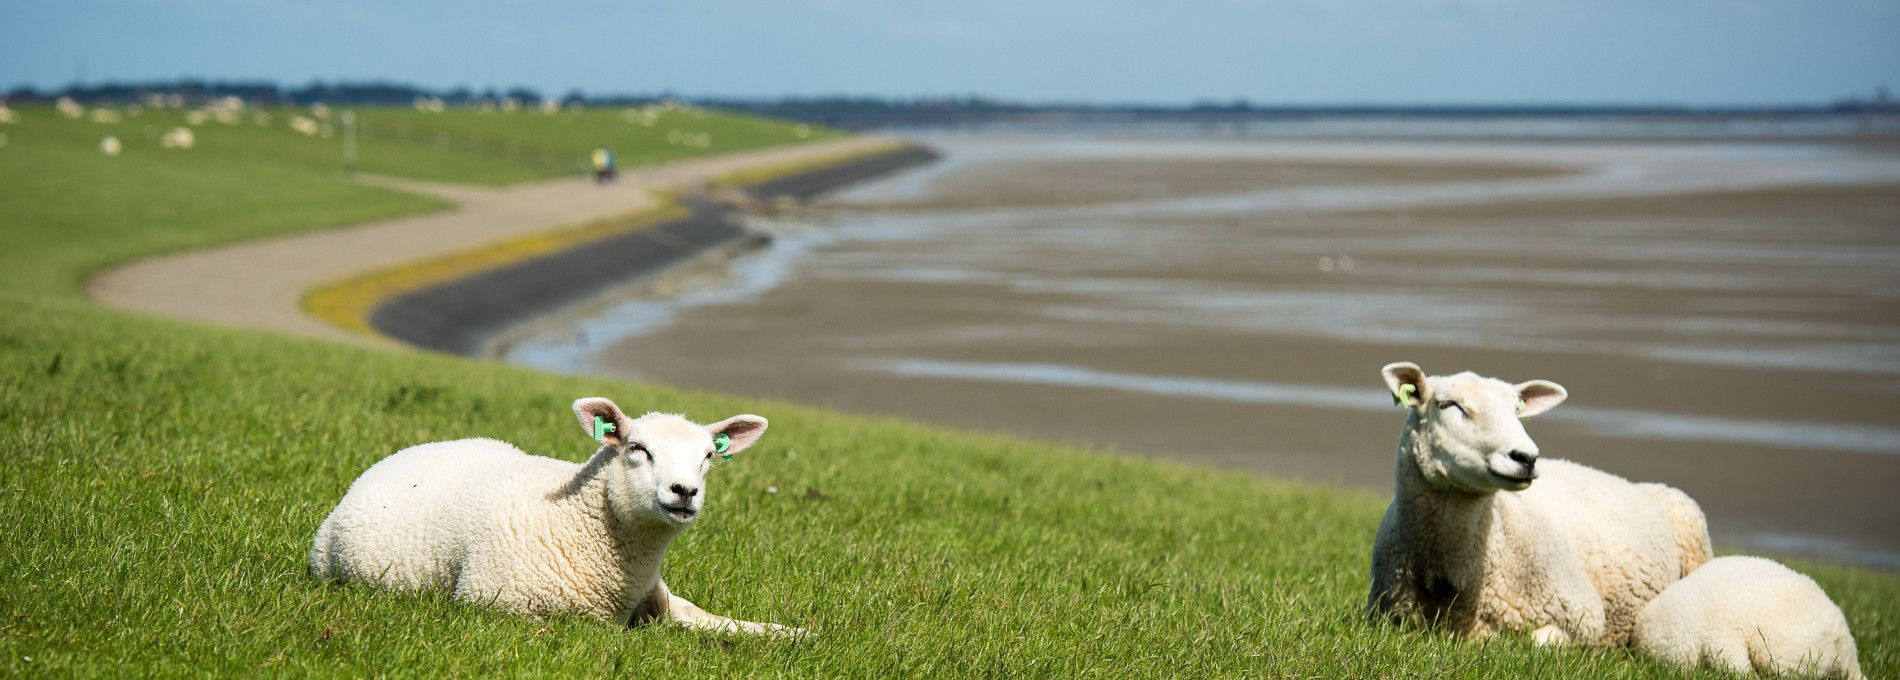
(603, 166)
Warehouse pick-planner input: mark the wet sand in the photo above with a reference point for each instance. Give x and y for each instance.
(1726, 318)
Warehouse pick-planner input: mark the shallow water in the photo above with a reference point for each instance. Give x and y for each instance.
(1731, 343)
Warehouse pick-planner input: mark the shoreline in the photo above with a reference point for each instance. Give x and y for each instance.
(262, 284)
(463, 314)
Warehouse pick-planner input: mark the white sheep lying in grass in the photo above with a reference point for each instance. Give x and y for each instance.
(1470, 543)
(1747, 613)
(535, 535)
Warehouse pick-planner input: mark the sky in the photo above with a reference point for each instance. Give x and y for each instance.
(1696, 52)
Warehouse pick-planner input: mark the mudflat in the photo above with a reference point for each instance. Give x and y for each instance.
(1726, 317)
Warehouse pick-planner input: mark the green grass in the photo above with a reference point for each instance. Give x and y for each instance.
(161, 481)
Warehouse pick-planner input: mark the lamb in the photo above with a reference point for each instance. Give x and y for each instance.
(534, 535)
(1470, 543)
(1747, 613)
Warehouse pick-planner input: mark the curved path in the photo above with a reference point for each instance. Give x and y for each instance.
(260, 284)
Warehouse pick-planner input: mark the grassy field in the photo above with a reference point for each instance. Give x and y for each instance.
(161, 482)
(66, 209)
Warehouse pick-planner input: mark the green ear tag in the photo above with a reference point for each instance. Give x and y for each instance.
(1406, 390)
(601, 428)
(721, 442)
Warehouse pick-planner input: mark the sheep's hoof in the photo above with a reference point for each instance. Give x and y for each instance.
(1550, 636)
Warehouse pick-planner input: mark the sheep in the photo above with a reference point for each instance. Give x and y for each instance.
(535, 535)
(110, 146)
(1745, 614)
(303, 126)
(178, 138)
(1470, 543)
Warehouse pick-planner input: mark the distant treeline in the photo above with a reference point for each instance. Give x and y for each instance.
(844, 111)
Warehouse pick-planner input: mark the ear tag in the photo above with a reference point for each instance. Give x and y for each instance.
(1520, 406)
(1406, 390)
(601, 428)
(721, 442)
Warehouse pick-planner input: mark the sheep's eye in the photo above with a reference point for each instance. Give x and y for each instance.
(708, 455)
(1450, 405)
(642, 450)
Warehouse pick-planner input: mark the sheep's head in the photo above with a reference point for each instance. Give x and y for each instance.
(665, 456)
(1469, 427)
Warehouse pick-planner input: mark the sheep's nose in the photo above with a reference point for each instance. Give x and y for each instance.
(1528, 460)
(685, 491)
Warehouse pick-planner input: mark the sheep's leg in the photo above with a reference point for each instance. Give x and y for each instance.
(679, 610)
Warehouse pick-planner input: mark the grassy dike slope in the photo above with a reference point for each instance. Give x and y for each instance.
(161, 481)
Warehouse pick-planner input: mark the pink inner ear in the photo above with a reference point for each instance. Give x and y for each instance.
(743, 429)
(1539, 396)
(598, 407)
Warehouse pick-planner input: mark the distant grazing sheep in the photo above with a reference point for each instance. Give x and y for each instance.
(533, 535)
(303, 126)
(1744, 614)
(110, 146)
(1471, 543)
(178, 138)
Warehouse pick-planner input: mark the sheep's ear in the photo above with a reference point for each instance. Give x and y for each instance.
(1538, 396)
(613, 423)
(741, 431)
(1407, 383)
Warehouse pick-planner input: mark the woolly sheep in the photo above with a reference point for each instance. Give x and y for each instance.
(534, 535)
(1470, 543)
(1747, 613)
(110, 146)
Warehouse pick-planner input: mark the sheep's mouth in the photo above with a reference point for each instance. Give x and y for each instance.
(680, 512)
(1515, 481)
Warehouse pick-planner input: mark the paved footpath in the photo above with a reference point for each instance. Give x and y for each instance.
(260, 284)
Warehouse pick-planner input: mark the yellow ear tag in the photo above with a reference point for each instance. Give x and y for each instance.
(1406, 390)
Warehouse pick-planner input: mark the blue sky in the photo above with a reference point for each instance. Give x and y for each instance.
(1291, 51)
